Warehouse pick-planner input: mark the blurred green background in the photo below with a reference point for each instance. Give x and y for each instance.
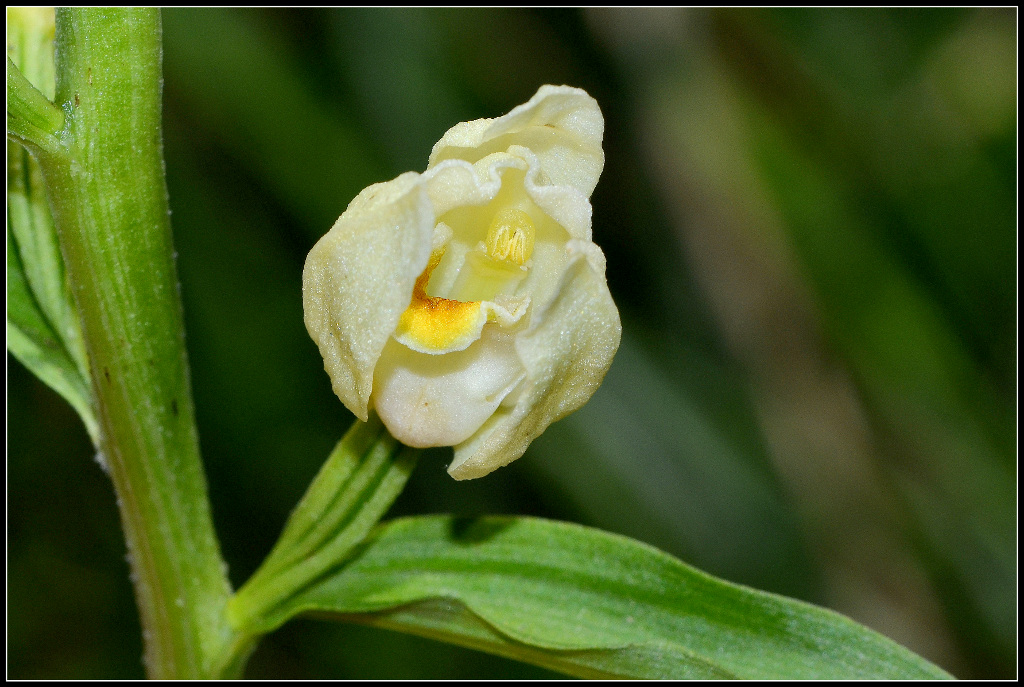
(810, 224)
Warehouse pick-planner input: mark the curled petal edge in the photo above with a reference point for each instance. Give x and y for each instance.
(562, 125)
(458, 183)
(566, 357)
(358, 279)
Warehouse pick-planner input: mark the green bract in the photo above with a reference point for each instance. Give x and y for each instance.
(468, 305)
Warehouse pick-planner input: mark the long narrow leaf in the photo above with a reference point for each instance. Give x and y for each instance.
(452, 622)
(33, 342)
(43, 330)
(360, 480)
(591, 604)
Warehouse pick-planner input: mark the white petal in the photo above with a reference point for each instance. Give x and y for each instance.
(563, 126)
(358, 280)
(566, 205)
(441, 400)
(457, 183)
(566, 356)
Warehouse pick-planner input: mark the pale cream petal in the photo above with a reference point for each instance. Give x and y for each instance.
(568, 206)
(563, 126)
(566, 356)
(457, 183)
(359, 278)
(441, 400)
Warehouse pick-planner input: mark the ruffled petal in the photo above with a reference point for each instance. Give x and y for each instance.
(359, 278)
(566, 356)
(563, 126)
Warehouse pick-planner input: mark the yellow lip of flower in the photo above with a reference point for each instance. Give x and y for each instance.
(432, 324)
(441, 325)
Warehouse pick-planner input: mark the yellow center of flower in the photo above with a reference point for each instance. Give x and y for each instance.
(436, 324)
(500, 262)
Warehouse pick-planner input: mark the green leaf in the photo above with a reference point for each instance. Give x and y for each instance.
(452, 622)
(43, 328)
(31, 119)
(33, 342)
(589, 603)
(31, 223)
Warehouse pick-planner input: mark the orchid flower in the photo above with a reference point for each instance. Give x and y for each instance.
(467, 305)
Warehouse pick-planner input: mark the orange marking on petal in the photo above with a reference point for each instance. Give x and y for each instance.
(435, 323)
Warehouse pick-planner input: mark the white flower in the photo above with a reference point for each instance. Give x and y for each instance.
(468, 305)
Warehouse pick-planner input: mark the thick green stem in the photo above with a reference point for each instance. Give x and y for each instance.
(109, 201)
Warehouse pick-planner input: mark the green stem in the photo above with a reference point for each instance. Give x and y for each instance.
(356, 486)
(328, 497)
(109, 201)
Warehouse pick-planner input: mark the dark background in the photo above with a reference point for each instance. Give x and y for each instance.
(810, 224)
